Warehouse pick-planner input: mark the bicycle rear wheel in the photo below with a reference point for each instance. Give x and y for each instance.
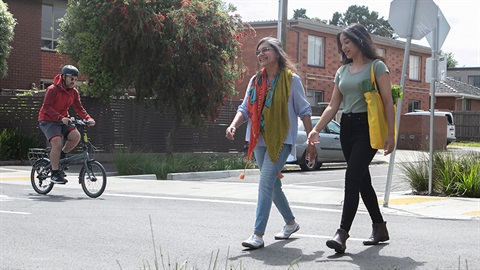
(93, 179)
(40, 176)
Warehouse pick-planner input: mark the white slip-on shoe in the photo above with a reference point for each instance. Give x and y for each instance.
(253, 242)
(287, 231)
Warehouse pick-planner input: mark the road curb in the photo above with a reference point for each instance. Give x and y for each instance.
(210, 174)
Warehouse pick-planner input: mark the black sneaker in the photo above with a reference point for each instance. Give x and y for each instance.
(58, 179)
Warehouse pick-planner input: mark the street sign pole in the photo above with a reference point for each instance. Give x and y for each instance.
(406, 57)
(432, 102)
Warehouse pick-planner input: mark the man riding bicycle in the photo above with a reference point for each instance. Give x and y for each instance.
(54, 120)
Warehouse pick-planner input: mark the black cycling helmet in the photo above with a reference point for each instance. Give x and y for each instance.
(70, 70)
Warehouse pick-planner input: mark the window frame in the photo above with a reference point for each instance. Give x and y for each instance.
(57, 7)
(414, 68)
(413, 104)
(317, 51)
(473, 80)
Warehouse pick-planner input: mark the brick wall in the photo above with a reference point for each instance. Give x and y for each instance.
(25, 61)
(28, 63)
(321, 78)
(414, 132)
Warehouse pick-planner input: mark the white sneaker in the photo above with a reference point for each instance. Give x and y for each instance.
(287, 231)
(253, 242)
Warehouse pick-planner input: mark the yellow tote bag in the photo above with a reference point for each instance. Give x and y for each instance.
(377, 121)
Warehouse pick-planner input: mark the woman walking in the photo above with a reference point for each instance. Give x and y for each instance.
(274, 101)
(358, 54)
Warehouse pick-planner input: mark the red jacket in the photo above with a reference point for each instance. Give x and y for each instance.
(58, 100)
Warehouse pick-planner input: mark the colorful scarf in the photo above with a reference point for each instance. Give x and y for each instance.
(268, 111)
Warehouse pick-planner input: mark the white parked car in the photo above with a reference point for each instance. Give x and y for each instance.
(329, 149)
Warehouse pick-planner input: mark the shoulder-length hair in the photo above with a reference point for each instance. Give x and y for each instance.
(283, 59)
(361, 38)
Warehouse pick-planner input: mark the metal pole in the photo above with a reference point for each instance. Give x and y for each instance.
(406, 56)
(433, 82)
(282, 23)
(279, 23)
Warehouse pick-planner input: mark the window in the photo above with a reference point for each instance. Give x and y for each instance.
(414, 66)
(381, 52)
(316, 51)
(52, 10)
(468, 104)
(474, 80)
(318, 97)
(413, 105)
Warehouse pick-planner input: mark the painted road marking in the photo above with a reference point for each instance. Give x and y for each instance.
(473, 213)
(410, 200)
(14, 178)
(13, 212)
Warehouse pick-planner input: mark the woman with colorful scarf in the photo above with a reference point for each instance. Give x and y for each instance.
(274, 101)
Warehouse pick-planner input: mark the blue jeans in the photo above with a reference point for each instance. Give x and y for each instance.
(270, 187)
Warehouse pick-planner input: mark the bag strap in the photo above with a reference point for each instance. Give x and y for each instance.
(372, 75)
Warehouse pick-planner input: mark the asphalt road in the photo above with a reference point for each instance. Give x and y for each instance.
(201, 224)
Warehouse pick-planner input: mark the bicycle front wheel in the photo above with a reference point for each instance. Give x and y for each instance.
(40, 176)
(93, 179)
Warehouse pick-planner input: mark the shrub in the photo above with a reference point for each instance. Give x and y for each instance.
(452, 175)
(14, 144)
(129, 163)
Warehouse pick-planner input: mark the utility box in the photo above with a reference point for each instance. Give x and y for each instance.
(414, 132)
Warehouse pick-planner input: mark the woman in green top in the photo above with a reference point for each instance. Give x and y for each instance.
(358, 54)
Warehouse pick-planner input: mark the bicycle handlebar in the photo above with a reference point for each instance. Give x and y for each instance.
(79, 122)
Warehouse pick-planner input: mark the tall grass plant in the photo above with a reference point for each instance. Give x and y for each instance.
(452, 174)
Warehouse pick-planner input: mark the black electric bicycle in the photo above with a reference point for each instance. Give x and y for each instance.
(92, 176)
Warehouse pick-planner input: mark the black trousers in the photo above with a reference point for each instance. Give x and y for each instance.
(355, 141)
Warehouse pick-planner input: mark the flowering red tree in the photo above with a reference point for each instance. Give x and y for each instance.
(180, 55)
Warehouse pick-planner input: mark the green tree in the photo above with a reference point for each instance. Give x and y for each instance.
(181, 55)
(361, 14)
(451, 62)
(300, 13)
(7, 25)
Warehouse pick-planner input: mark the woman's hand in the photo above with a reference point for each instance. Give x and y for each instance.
(389, 145)
(230, 133)
(312, 138)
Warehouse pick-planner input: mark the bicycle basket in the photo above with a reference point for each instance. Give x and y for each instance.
(36, 153)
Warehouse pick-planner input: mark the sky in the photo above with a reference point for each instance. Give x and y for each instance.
(463, 17)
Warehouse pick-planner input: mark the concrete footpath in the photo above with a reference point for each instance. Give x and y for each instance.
(226, 185)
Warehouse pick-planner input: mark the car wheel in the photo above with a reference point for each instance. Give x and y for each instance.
(305, 166)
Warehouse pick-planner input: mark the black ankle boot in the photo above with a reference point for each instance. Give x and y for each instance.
(379, 234)
(339, 241)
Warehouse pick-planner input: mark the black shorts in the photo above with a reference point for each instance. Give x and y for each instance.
(54, 129)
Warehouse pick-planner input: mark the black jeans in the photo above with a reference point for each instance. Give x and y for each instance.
(355, 141)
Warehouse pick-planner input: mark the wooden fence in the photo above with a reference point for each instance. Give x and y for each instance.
(122, 123)
(467, 126)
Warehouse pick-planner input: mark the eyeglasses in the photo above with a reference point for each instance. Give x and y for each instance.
(72, 78)
(263, 50)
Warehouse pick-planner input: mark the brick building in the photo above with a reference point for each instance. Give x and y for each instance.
(33, 59)
(313, 46)
(310, 44)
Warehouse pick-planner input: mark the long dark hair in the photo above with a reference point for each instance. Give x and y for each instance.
(361, 38)
(283, 59)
